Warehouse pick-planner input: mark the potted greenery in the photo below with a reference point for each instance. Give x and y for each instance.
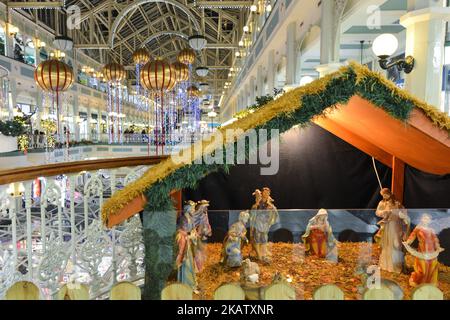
(10, 130)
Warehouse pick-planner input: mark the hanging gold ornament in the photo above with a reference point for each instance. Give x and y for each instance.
(181, 71)
(53, 76)
(158, 75)
(193, 91)
(114, 72)
(186, 56)
(141, 56)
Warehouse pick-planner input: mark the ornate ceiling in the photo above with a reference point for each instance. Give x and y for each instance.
(112, 30)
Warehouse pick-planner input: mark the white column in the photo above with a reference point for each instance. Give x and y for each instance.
(75, 118)
(247, 97)
(252, 90)
(330, 36)
(260, 81)
(12, 95)
(291, 58)
(9, 43)
(425, 41)
(271, 72)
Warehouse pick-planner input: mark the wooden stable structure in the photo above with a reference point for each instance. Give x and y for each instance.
(417, 142)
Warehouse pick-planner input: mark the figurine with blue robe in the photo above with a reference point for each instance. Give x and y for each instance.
(232, 245)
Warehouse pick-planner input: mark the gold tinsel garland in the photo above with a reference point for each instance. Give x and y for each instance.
(287, 103)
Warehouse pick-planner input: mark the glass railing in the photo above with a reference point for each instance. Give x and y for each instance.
(347, 257)
(301, 253)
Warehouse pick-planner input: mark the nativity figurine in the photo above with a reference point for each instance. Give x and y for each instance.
(250, 273)
(262, 217)
(426, 255)
(232, 245)
(187, 239)
(394, 229)
(318, 238)
(203, 231)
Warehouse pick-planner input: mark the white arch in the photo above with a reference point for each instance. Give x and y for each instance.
(163, 33)
(138, 3)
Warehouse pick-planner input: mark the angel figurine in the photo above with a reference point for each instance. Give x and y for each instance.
(318, 238)
(426, 262)
(263, 216)
(394, 228)
(232, 245)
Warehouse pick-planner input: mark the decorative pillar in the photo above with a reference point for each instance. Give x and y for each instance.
(291, 58)
(12, 95)
(425, 41)
(75, 118)
(271, 72)
(260, 81)
(246, 97)
(330, 36)
(252, 90)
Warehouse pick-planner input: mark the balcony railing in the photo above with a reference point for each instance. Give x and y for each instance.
(51, 230)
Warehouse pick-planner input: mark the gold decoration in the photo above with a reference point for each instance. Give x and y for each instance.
(186, 56)
(23, 142)
(181, 71)
(287, 103)
(114, 72)
(158, 75)
(193, 91)
(141, 56)
(53, 76)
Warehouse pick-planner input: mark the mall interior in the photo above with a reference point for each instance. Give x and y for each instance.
(225, 150)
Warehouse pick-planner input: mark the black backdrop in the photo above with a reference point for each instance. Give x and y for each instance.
(319, 170)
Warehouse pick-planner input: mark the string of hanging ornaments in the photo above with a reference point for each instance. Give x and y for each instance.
(191, 107)
(55, 77)
(140, 58)
(159, 77)
(114, 74)
(182, 76)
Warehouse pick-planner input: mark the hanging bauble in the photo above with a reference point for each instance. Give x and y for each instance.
(158, 75)
(53, 76)
(186, 56)
(141, 56)
(193, 91)
(114, 72)
(182, 71)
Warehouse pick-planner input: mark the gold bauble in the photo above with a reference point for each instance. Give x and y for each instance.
(141, 56)
(186, 56)
(182, 71)
(114, 72)
(158, 75)
(53, 76)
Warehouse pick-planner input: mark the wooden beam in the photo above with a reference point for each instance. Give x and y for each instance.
(398, 178)
(137, 205)
(355, 140)
(54, 169)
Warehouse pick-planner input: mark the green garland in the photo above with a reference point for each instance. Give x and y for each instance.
(159, 245)
(13, 128)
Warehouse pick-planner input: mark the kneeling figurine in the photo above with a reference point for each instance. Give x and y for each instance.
(426, 257)
(232, 245)
(318, 238)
